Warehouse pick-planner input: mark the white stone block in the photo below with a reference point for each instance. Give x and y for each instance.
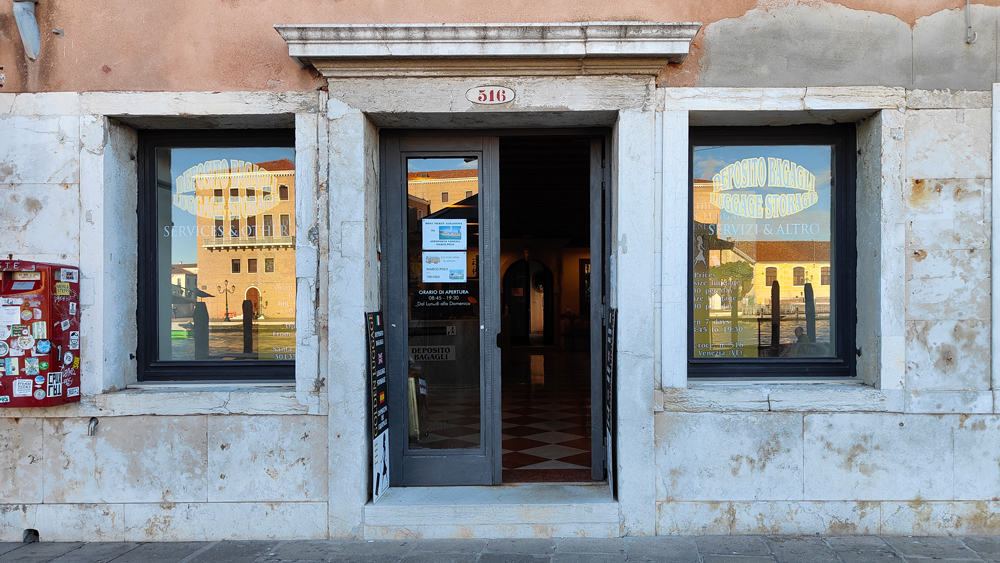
(853, 97)
(197, 103)
(219, 521)
(767, 517)
(849, 456)
(63, 522)
(948, 143)
(714, 399)
(131, 459)
(23, 459)
(947, 214)
(826, 397)
(46, 103)
(947, 284)
(926, 518)
(948, 355)
(683, 518)
(728, 456)
(977, 454)
(947, 99)
(267, 458)
(40, 150)
(40, 219)
(540, 530)
(949, 402)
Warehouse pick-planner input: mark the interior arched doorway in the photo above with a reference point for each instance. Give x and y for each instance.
(527, 301)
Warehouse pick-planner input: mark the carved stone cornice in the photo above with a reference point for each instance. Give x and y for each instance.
(531, 49)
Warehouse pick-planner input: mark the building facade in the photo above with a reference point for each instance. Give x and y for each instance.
(628, 164)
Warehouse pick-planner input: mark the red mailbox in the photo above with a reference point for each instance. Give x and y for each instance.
(39, 334)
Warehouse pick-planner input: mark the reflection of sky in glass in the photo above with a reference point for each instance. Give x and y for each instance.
(434, 164)
(185, 248)
(708, 160)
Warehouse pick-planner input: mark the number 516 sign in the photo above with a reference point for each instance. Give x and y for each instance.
(489, 95)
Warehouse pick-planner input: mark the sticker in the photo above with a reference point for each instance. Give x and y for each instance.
(39, 329)
(26, 315)
(15, 351)
(25, 342)
(7, 301)
(74, 340)
(31, 366)
(55, 390)
(76, 362)
(73, 392)
(22, 387)
(54, 378)
(4, 398)
(40, 379)
(62, 288)
(11, 365)
(39, 394)
(64, 325)
(4, 332)
(444, 267)
(27, 276)
(55, 384)
(43, 346)
(68, 358)
(37, 313)
(18, 330)
(444, 234)
(43, 365)
(22, 285)
(72, 308)
(69, 275)
(3, 348)
(10, 315)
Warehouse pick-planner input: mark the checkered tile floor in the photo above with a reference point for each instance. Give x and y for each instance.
(545, 418)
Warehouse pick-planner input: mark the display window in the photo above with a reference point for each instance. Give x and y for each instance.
(205, 310)
(772, 251)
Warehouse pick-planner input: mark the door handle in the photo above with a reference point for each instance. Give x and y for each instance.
(498, 340)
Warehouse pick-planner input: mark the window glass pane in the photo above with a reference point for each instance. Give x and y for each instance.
(761, 248)
(442, 248)
(209, 202)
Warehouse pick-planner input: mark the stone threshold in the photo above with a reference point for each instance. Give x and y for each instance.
(514, 510)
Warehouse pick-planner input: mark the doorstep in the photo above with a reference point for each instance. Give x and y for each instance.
(523, 510)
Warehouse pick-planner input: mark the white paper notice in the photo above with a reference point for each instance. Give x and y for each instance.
(444, 267)
(10, 316)
(444, 234)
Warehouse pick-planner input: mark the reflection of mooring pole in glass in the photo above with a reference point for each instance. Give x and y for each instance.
(810, 313)
(247, 326)
(775, 318)
(200, 331)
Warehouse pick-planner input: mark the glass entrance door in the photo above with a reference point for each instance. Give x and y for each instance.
(440, 237)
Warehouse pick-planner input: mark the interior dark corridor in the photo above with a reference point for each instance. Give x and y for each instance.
(545, 267)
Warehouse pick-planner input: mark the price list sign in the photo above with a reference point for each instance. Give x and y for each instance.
(380, 406)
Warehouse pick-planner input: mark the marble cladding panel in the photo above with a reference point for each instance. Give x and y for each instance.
(40, 219)
(267, 458)
(216, 521)
(23, 458)
(767, 517)
(948, 143)
(40, 150)
(948, 402)
(745, 456)
(948, 214)
(947, 355)
(539, 530)
(131, 459)
(853, 456)
(63, 522)
(977, 453)
(927, 518)
(947, 284)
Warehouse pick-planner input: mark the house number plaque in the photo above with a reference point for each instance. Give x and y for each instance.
(489, 95)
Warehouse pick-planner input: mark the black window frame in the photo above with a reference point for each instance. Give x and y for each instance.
(843, 252)
(149, 367)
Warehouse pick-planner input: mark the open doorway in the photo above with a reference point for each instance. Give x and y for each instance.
(545, 214)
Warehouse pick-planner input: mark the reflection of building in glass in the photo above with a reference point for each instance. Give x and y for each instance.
(184, 289)
(438, 188)
(252, 242)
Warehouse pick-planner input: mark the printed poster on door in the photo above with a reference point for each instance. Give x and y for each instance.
(380, 404)
(444, 267)
(444, 234)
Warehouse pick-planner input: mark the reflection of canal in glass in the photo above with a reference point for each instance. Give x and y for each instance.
(229, 345)
(748, 334)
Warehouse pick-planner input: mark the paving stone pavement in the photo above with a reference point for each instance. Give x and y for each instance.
(701, 549)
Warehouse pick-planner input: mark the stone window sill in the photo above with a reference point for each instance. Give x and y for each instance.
(762, 396)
